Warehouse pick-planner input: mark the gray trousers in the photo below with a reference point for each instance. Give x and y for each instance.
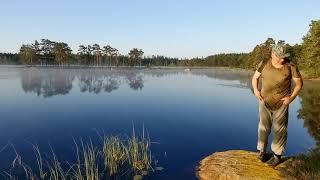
(278, 120)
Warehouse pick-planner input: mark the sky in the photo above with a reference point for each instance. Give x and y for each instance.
(176, 28)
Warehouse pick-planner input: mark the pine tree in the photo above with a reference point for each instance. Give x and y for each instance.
(310, 52)
(261, 52)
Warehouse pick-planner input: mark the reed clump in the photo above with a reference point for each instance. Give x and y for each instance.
(139, 153)
(115, 156)
(115, 153)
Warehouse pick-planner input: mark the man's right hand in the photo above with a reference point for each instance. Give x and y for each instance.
(258, 95)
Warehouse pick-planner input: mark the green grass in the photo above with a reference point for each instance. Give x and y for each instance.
(115, 154)
(304, 166)
(139, 153)
(91, 167)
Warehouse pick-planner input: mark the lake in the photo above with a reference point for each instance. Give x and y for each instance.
(188, 114)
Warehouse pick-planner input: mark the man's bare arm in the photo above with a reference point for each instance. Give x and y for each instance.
(297, 87)
(255, 81)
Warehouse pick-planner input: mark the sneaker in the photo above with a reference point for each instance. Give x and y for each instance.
(262, 156)
(274, 161)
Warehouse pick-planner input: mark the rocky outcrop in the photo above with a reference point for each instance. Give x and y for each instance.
(236, 164)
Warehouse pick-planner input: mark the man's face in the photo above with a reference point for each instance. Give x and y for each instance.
(278, 60)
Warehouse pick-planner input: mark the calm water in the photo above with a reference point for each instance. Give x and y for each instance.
(189, 114)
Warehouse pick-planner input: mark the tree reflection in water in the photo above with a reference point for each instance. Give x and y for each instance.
(310, 109)
(98, 83)
(49, 82)
(135, 82)
(307, 165)
(46, 82)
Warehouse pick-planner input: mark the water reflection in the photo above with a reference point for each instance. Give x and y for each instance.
(46, 83)
(50, 82)
(310, 109)
(97, 83)
(135, 82)
(243, 77)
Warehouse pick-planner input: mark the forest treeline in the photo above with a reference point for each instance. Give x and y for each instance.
(47, 52)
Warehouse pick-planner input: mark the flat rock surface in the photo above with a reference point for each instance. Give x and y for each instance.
(236, 164)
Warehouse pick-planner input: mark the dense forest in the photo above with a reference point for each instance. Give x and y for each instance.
(47, 52)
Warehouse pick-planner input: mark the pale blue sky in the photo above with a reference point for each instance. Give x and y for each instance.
(179, 28)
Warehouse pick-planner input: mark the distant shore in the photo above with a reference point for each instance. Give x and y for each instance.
(233, 69)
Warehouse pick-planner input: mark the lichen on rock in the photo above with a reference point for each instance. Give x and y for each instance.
(236, 164)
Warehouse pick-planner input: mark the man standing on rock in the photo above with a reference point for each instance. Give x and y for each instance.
(274, 99)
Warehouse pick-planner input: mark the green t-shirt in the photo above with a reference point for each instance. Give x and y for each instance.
(276, 82)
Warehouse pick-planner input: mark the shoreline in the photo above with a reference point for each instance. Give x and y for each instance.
(233, 69)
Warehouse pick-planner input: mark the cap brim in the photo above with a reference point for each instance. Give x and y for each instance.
(284, 56)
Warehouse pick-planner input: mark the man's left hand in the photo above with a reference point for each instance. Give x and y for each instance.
(286, 100)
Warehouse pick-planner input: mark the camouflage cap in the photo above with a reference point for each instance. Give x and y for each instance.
(279, 50)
